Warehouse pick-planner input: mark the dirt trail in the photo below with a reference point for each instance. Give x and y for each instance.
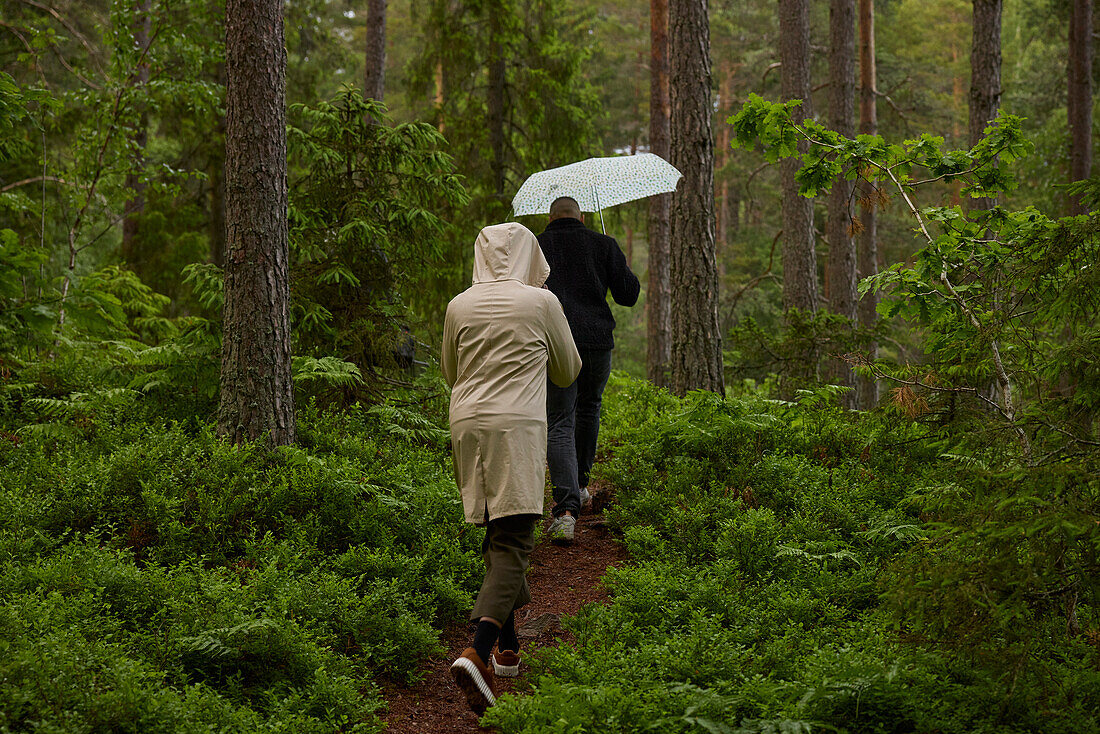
(562, 580)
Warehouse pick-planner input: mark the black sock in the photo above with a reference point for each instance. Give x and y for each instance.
(508, 639)
(484, 639)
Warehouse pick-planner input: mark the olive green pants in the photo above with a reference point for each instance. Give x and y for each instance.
(507, 546)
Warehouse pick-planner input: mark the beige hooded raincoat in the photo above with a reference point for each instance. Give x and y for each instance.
(501, 338)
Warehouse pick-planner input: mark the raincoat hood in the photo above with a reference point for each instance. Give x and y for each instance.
(509, 251)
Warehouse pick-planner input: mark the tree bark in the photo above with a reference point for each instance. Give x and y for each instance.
(958, 97)
(722, 193)
(439, 98)
(658, 289)
(842, 246)
(374, 81)
(496, 99)
(257, 398)
(139, 137)
(799, 259)
(1079, 98)
(867, 387)
(985, 75)
(696, 360)
(733, 211)
(842, 91)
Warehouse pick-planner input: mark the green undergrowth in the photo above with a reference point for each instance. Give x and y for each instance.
(156, 579)
(778, 551)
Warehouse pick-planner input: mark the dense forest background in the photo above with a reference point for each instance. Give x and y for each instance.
(142, 83)
(927, 562)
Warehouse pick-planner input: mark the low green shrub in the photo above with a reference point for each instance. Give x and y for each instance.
(158, 579)
(765, 537)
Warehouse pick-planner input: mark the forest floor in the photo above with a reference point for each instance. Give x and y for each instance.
(562, 580)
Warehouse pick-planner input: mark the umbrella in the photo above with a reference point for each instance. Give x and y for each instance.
(597, 183)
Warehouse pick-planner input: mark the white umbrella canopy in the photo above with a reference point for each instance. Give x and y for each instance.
(597, 183)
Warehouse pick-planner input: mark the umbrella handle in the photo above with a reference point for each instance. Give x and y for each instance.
(596, 196)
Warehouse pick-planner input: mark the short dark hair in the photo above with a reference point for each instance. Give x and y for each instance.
(565, 206)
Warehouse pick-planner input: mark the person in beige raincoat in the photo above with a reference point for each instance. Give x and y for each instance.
(502, 338)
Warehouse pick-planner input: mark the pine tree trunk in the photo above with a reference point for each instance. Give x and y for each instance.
(439, 98)
(842, 245)
(867, 387)
(496, 99)
(958, 101)
(842, 92)
(722, 213)
(734, 210)
(658, 289)
(1079, 99)
(696, 361)
(722, 194)
(257, 398)
(139, 137)
(799, 259)
(374, 81)
(985, 74)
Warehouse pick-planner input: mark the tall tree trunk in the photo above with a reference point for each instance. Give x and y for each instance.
(867, 387)
(985, 74)
(734, 210)
(722, 214)
(958, 95)
(799, 259)
(257, 397)
(1079, 114)
(841, 267)
(1079, 98)
(696, 340)
(842, 91)
(722, 194)
(496, 99)
(374, 79)
(445, 72)
(658, 296)
(440, 123)
(139, 137)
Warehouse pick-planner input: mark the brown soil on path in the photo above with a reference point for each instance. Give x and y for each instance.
(562, 580)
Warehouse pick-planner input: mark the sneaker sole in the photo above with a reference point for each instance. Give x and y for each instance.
(505, 671)
(561, 540)
(470, 681)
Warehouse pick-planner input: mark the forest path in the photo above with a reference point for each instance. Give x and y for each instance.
(562, 580)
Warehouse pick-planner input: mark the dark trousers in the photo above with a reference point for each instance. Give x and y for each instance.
(572, 427)
(506, 549)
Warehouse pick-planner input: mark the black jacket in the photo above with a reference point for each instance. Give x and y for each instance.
(584, 266)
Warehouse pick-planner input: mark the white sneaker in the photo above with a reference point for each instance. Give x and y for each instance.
(586, 497)
(505, 663)
(561, 529)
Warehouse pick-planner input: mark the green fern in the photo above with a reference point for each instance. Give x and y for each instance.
(81, 403)
(223, 643)
(409, 425)
(326, 371)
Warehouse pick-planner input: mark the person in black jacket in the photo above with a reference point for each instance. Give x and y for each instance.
(584, 266)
